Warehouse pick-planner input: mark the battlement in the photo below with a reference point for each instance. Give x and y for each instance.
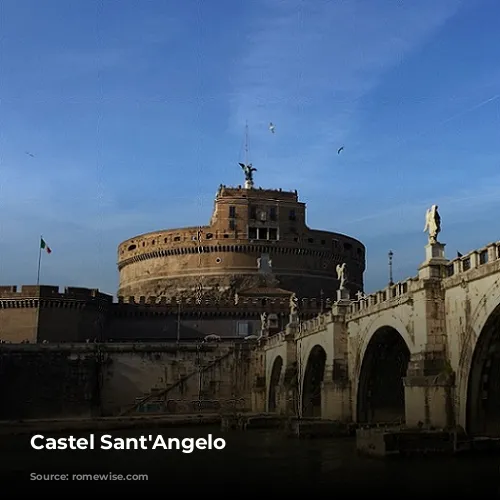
(256, 193)
(155, 305)
(211, 302)
(52, 292)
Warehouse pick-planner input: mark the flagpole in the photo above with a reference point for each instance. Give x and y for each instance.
(39, 260)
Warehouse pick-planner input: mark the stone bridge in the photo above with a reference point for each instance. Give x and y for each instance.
(422, 352)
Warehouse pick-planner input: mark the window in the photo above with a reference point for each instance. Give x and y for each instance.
(272, 213)
(262, 233)
(292, 215)
(310, 240)
(323, 242)
(243, 328)
(177, 238)
(252, 233)
(347, 246)
(226, 235)
(273, 233)
(253, 212)
(209, 236)
(483, 257)
(232, 212)
(132, 247)
(232, 224)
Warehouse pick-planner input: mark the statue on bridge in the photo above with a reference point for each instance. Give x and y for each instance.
(360, 295)
(342, 275)
(432, 224)
(294, 309)
(264, 323)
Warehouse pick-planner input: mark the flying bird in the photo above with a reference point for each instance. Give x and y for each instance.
(29, 154)
(340, 150)
(271, 127)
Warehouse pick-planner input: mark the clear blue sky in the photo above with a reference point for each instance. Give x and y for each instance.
(135, 111)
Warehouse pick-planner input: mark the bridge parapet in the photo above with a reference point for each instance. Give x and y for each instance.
(388, 297)
(464, 265)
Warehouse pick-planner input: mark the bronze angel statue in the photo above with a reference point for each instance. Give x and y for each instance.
(248, 170)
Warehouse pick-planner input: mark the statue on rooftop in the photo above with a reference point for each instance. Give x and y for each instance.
(248, 170)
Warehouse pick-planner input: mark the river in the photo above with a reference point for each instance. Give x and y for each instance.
(266, 459)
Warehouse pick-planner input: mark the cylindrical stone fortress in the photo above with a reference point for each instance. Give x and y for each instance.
(221, 259)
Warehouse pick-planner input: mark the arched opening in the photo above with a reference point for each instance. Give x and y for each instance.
(274, 383)
(381, 394)
(483, 391)
(313, 377)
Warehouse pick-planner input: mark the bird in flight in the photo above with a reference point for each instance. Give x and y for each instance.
(29, 154)
(271, 127)
(340, 150)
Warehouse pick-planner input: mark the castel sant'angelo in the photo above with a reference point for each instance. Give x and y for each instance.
(220, 278)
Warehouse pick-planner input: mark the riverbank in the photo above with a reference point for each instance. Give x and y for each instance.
(10, 427)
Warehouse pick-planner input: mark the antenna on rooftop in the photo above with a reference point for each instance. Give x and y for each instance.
(246, 142)
(247, 167)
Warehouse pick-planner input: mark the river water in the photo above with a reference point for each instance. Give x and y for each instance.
(254, 459)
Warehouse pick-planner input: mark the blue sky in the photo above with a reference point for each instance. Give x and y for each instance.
(135, 113)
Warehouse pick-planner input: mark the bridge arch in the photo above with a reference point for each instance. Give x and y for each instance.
(478, 377)
(382, 364)
(312, 381)
(274, 380)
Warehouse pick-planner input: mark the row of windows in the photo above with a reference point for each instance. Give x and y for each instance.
(255, 215)
(255, 233)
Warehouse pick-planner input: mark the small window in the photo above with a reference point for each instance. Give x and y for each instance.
(252, 233)
(209, 236)
(253, 212)
(226, 236)
(310, 240)
(273, 233)
(262, 233)
(232, 224)
(292, 215)
(177, 238)
(165, 240)
(243, 328)
(323, 242)
(483, 257)
(232, 212)
(347, 246)
(272, 213)
(153, 242)
(132, 247)
(296, 240)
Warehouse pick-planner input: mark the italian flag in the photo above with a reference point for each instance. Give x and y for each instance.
(44, 246)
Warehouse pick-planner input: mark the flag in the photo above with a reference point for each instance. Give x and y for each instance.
(44, 246)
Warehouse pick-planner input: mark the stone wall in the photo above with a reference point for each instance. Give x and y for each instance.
(82, 380)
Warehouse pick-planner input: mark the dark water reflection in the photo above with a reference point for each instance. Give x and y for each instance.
(255, 459)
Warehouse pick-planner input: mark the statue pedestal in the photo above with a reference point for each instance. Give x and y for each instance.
(248, 184)
(434, 261)
(343, 294)
(435, 252)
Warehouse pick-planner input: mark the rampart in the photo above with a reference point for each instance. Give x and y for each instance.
(45, 314)
(72, 380)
